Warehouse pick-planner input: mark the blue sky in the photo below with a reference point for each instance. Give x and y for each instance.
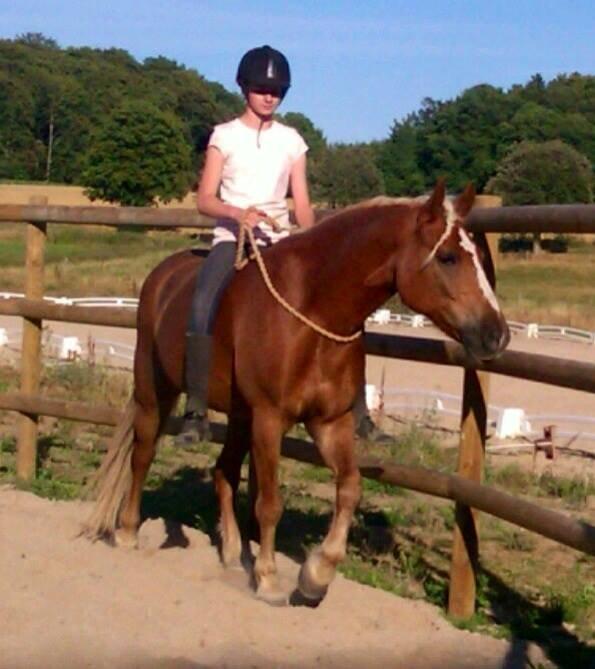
(356, 66)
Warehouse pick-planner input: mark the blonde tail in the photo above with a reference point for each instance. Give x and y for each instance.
(111, 483)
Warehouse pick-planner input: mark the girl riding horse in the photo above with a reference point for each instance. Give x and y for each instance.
(250, 163)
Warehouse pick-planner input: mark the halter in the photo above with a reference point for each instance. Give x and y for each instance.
(242, 260)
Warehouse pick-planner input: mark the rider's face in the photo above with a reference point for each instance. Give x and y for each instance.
(264, 101)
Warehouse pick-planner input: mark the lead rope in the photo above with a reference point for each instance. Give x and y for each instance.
(241, 261)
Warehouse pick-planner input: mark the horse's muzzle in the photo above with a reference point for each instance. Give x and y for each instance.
(488, 340)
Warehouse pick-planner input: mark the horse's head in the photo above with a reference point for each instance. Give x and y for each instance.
(441, 275)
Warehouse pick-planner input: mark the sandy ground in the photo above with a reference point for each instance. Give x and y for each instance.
(67, 603)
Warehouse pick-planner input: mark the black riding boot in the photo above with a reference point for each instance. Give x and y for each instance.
(365, 428)
(197, 363)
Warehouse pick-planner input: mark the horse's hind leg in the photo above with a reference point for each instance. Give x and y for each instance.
(335, 442)
(227, 478)
(149, 419)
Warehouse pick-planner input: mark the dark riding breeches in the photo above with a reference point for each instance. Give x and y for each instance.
(212, 279)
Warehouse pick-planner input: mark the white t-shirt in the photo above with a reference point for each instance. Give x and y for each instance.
(256, 173)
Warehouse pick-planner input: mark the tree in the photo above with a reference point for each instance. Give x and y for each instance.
(348, 173)
(543, 173)
(317, 146)
(397, 160)
(462, 139)
(312, 135)
(139, 154)
(51, 99)
(37, 40)
(19, 153)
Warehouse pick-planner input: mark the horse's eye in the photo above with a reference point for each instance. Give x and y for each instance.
(447, 258)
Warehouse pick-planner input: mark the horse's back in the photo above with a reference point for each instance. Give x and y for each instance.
(168, 278)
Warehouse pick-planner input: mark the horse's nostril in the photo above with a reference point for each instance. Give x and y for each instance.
(495, 339)
(504, 338)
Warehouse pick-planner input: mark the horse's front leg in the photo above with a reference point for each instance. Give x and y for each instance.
(267, 431)
(335, 440)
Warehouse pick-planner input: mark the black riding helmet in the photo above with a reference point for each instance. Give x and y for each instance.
(264, 67)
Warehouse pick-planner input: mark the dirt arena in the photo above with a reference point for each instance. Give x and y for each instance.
(66, 603)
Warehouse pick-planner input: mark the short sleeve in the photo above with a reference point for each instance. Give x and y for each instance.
(218, 139)
(299, 146)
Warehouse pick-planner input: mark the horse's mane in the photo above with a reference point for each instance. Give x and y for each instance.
(377, 201)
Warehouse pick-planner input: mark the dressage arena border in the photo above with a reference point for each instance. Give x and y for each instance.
(464, 487)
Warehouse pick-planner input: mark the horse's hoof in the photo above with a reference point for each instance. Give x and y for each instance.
(126, 539)
(312, 591)
(309, 585)
(273, 596)
(230, 552)
(268, 590)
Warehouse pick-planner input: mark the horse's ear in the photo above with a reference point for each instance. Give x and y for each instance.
(432, 208)
(465, 200)
(431, 215)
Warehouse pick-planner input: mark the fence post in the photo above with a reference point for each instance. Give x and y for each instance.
(26, 461)
(465, 550)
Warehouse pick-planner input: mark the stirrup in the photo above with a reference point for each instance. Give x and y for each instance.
(195, 428)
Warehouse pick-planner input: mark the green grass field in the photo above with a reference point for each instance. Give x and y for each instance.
(550, 288)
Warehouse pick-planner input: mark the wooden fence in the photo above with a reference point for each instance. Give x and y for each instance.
(464, 487)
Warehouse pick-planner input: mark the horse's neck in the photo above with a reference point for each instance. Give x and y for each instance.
(346, 281)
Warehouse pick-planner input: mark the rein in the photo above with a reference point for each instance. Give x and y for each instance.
(241, 261)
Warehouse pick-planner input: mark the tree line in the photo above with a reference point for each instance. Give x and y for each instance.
(133, 131)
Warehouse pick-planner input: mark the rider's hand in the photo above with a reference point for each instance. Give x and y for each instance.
(253, 216)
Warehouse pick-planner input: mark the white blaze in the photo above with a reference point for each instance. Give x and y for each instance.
(482, 279)
(451, 218)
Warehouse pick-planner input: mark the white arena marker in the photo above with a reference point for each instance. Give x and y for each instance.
(381, 316)
(372, 397)
(70, 349)
(512, 423)
(3, 337)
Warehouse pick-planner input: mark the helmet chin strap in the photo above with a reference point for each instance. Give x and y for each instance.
(261, 121)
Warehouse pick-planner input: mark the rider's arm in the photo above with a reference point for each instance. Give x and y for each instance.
(207, 197)
(299, 191)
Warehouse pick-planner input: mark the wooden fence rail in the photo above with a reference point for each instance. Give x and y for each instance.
(468, 494)
(568, 219)
(530, 366)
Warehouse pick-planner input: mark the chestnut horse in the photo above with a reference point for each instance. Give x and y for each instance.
(270, 370)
